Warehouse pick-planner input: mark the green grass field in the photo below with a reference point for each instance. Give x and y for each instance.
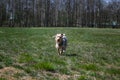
(30, 54)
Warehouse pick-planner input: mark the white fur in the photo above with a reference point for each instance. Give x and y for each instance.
(58, 38)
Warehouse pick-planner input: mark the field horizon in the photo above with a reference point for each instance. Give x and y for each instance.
(30, 54)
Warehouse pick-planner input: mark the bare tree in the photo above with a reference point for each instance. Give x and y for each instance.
(82, 13)
(2, 13)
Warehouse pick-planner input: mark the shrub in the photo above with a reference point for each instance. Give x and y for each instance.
(44, 66)
(92, 67)
(113, 71)
(25, 57)
(3, 79)
(6, 60)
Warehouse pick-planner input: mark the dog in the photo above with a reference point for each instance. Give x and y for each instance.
(61, 43)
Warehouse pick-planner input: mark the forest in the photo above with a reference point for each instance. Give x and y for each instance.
(60, 13)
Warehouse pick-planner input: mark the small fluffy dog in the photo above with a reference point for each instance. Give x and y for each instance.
(61, 43)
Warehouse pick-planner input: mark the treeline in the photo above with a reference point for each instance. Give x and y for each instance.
(54, 13)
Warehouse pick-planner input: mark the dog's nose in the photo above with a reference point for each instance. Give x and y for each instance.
(58, 40)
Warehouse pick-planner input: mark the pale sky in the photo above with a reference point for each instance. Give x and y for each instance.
(107, 0)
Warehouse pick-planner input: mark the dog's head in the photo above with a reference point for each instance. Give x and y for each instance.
(58, 38)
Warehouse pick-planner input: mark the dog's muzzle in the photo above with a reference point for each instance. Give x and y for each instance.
(58, 40)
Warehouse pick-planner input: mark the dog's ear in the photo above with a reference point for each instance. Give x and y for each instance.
(54, 36)
(63, 34)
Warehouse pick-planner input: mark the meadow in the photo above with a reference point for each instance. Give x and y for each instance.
(30, 54)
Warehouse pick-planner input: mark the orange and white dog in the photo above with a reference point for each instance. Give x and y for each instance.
(61, 43)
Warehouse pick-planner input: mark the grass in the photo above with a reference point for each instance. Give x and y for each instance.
(91, 54)
(3, 79)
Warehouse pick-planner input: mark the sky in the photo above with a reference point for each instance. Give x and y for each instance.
(107, 0)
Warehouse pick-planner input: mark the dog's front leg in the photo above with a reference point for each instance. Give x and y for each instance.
(58, 51)
(61, 50)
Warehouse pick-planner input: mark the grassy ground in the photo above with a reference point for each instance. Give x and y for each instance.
(30, 54)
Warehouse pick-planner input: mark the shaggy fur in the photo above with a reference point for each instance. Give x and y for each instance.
(61, 43)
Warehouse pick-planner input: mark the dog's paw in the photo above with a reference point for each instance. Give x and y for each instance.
(63, 50)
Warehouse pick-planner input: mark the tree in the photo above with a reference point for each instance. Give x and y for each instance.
(80, 13)
(2, 13)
